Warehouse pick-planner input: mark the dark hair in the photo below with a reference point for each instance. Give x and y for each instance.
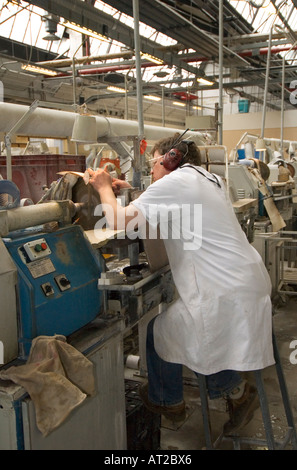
(190, 150)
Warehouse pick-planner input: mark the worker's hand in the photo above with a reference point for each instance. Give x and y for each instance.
(118, 184)
(99, 179)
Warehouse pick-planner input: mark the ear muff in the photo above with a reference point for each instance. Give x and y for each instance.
(172, 159)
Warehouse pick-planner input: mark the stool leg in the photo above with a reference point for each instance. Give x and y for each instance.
(284, 392)
(265, 410)
(205, 410)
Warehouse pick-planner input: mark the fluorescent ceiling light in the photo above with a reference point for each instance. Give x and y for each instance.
(36, 69)
(83, 30)
(117, 89)
(152, 97)
(151, 58)
(204, 81)
(179, 103)
(197, 107)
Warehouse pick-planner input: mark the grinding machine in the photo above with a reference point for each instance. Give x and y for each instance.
(60, 276)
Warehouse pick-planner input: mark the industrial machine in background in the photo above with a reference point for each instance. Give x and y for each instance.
(267, 172)
(237, 180)
(263, 197)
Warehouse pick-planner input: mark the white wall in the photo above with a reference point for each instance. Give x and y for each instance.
(247, 121)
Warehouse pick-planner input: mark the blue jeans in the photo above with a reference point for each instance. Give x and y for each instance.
(165, 379)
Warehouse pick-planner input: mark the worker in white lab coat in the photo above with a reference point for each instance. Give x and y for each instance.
(221, 323)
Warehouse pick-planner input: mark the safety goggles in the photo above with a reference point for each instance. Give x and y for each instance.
(153, 161)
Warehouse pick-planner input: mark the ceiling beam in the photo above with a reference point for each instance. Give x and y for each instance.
(255, 38)
(90, 17)
(19, 50)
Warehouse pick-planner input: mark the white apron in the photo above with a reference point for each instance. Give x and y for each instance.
(222, 318)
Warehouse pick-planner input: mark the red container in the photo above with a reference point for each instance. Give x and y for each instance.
(31, 172)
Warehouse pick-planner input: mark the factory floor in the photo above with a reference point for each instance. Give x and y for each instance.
(190, 434)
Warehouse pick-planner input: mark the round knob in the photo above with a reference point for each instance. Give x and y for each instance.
(64, 282)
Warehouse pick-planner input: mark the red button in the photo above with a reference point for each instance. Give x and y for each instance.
(44, 246)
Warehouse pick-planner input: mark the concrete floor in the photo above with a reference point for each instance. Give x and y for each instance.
(190, 434)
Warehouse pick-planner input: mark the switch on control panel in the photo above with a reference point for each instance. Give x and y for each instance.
(62, 282)
(47, 289)
(37, 249)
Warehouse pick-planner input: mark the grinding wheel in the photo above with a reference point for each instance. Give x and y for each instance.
(262, 167)
(291, 169)
(86, 195)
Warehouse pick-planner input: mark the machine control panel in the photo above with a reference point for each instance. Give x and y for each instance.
(37, 249)
(56, 271)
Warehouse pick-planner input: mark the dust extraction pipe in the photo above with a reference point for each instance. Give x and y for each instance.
(29, 216)
(51, 123)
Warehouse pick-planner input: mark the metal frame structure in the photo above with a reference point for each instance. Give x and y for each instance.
(208, 39)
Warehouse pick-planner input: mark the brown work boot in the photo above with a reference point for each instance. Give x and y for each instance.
(172, 412)
(241, 410)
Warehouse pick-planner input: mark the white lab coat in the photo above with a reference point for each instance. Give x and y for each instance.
(222, 318)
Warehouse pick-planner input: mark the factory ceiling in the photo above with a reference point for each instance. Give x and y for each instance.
(254, 37)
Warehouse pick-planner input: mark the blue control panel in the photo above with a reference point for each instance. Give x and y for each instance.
(58, 275)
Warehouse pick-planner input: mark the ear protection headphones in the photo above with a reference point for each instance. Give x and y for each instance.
(173, 158)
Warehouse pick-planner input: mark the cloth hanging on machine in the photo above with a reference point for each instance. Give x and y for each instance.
(57, 377)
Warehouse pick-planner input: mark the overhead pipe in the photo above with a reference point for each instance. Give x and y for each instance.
(106, 69)
(116, 68)
(250, 53)
(265, 51)
(86, 59)
(56, 124)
